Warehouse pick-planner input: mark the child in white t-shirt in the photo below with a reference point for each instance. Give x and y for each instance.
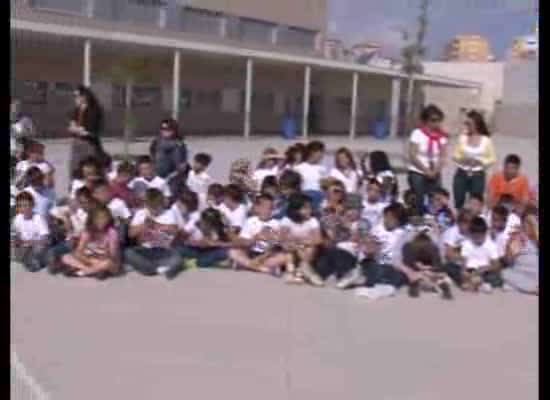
(257, 248)
(44, 197)
(148, 180)
(31, 234)
(373, 205)
(269, 166)
(233, 208)
(301, 236)
(199, 180)
(481, 269)
(214, 197)
(119, 210)
(345, 170)
(90, 170)
(451, 245)
(35, 158)
(311, 170)
(155, 229)
(186, 210)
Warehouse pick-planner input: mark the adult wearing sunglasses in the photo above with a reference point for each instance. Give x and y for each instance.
(85, 126)
(474, 154)
(427, 155)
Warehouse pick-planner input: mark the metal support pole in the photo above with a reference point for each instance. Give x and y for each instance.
(353, 114)
(305, 116)
(176, 85)
(248, 97)
(395, 100)
(87, 79)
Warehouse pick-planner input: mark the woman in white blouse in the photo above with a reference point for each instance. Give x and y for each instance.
(475, 154)
(427, 155)
(345, 170)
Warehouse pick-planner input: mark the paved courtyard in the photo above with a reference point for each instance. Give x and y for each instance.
(222, 334)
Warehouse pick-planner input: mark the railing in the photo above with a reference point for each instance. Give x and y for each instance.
(177, 18)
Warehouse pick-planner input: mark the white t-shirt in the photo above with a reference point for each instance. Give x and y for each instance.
(349, 178)
(13, 194)
(311, 175)
(387, 240)
(156, 183)
(119, 209)
(453, 238)
(188, 222)
(254, 226)
(476, 257)
(199, 183)
(261, 173)
(235, 218)
(422, 141)
(300, 230)
(152, 237)
(32, 229)
(501, 240)
(373, 212)
(76, 184)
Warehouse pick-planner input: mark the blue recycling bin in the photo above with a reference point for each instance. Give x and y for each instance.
(381, 128)
(289, 127)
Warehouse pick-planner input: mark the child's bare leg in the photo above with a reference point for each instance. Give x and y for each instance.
(274, 261)
(241, 258)
(75, 263)
(98, 266)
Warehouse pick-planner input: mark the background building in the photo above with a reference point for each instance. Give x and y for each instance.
(472, 48)
(524, 48)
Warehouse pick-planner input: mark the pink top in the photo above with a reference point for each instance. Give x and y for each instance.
(101, 246)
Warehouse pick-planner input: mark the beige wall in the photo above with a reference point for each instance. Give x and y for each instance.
(489, 74)
(310, 14)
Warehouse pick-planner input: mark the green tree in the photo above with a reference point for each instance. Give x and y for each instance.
(412, 54)
(128, 72)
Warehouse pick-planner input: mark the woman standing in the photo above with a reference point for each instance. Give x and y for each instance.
(427, 154)
(168, 150)
(474, 154)
(86, 123)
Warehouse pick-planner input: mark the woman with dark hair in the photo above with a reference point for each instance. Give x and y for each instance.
(474, 154)
(294, 155)
(427, 154)
(168, 150)
(85, 126)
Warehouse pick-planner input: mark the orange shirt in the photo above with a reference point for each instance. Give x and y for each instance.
(517, 187)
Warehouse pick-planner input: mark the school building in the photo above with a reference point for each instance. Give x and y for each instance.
(218, 66)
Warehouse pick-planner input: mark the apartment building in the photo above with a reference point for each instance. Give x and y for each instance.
(218, 66)
(469, 48)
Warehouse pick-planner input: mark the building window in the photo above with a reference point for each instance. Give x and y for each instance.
(64, 89)
(78, 7)
(142, 96)
(208, 100)
(297, 38)
(201, 21)
(148, 3)
(255, 31)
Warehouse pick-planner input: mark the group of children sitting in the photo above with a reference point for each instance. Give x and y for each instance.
(290, 217)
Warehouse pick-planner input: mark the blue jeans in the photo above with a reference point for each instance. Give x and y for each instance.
(206, 257)
(147, 260)
(422, 186)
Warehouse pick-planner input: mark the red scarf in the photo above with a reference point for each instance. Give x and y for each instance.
(434, 137)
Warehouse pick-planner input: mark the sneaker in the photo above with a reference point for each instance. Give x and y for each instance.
(371, 293)
(293, 279)
(414, 290)
(162, 270)
(173, 272)
(486, 288)
(354, 278)
(190, 263)
(311, 276)
(386, 290)
(507, 288)
(80, 274)
(127, 268)
(446, 291)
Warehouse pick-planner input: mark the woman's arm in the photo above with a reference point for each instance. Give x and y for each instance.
(458, 154)
(114, 247)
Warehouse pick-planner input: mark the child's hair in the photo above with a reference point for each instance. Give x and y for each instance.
(296, 202)
(464, 216)
(24, 196)
(212, 220)
(90, 162)
(263, 197)
(478, 226)
(423, 248)
(501, 211)
(34, 176)
(83, 192)
(399, 212)
(347, 152)
(172, 125)
(290, 180)
(154, 199)
(314, 147)
(374, 181)
(440, 191)
(203, 159)
(100, 183)
(506, 198)
(215, 190)
(379, 162)
(477, 196)
(269, 154)
(126, 168)
(93, 214)
(190, 199)
(35, 147)
(144, 160)
(292, 150)
(512, 159)
(268, 183)
(234, 192)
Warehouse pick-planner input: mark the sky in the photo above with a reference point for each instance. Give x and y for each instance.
(500, 21)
